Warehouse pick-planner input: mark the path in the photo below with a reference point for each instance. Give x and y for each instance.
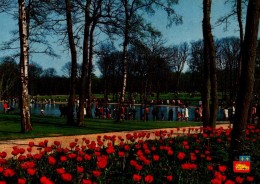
(7, 145)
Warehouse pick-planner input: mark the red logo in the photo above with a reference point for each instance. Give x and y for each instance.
(241, 166)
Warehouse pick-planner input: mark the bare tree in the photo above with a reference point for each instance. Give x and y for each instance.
(26, 125)
(178, 58)
(228, 55)
(129, 22)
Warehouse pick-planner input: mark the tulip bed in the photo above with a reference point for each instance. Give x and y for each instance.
(176, 156)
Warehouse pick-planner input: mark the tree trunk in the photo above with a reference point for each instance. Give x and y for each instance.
(90, 66)
(125, 45)
(206, 83)
(246, 79)
(24, 46)
(211, 94)
(83, 78)
(241, 33)
(73, 79)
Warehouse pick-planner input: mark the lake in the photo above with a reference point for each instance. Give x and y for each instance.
(53, 110)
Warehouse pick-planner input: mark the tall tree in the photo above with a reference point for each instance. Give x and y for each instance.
(83, 79)
(97, 13)
(246, 83)
(26, 125)
(73, 71)
(209, 94)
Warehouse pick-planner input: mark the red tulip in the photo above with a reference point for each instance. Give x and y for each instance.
(239, 179)
(156, 157)
(230, 182)
(3, 154)
(9, 172)
(72, 155)
(51, 160)
(80, 169)
(45, 180)
(72, 145)
(2, 161)
(97, 173)
(63, 158)
(67, 177)
(31, 144)
(169, 178)
(249, 178)
(61, 170)
(121, 154)
(210, 167)
(87, 157)
(86, 181)
(222, 168)
(216, 181)
(181, 155)
(137, 177)
(148, 179)
(31, 172)
(21, 181)
(102, 162)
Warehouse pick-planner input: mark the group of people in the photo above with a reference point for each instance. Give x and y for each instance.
(157, 112)
(182, 113)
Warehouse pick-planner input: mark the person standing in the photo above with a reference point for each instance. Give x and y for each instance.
(225, 113)
(253, 114)
(186, 113)
(5, 107)
(170, 116)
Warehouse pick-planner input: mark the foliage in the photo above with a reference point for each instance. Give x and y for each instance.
(172, 157)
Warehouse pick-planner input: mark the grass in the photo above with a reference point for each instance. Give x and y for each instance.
(10, 127)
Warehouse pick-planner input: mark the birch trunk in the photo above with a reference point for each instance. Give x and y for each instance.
(24, 100)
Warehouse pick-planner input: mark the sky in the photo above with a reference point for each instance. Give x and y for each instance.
(190, 30)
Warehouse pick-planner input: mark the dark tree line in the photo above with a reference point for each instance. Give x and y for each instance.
(149, 72)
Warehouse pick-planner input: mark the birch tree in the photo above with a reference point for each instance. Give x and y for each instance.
(26, 125)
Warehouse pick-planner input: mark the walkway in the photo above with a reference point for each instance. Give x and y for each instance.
(7, 145)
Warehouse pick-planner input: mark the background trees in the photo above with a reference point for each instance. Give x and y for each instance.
(138, 59)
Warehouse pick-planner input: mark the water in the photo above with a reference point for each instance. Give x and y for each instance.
(53, 110)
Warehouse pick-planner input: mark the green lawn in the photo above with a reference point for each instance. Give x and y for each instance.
(55, 126)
